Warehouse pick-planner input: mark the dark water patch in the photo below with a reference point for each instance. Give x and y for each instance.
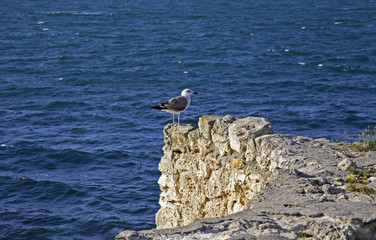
(37, 190)
(66, 104)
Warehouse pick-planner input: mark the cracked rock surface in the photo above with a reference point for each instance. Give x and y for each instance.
(234, 179)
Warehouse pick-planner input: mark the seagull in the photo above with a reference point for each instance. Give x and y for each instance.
(176, 105)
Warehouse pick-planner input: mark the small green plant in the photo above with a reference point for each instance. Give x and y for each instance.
(360, 189)
(304, 235)
(358, 176)
(367, 140)
(357, 179)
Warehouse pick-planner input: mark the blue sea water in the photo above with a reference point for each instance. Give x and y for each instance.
(79, 144)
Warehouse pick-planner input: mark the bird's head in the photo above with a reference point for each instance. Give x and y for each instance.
(187, 92)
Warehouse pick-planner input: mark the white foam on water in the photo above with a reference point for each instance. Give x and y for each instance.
(6, 145)
(80, 13)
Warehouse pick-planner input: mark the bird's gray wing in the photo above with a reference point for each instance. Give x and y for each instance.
(177, 103)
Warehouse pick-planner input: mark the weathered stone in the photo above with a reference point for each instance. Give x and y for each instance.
(200, 166)
(270, 151)
(219, 134)
(213, 187)
(233, 179)
(245, 129)
(372, 179)
(345, 164)
(205, 125)
(168, 216)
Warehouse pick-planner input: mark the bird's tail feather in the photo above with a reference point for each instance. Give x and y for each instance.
(156, 107)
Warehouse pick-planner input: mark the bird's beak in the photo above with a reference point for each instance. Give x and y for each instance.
(195, 93)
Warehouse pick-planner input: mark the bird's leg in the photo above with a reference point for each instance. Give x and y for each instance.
(173, 118)
(178, 119)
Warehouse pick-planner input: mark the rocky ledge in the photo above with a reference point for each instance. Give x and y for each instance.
(234, 179)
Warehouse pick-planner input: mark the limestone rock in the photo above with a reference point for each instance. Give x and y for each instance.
(345, 164)
(234, 179)
(205, 171)
(219, 134)
(205, 125)
(245, 129)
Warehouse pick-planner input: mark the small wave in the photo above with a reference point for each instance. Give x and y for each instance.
(85, 13)
(294, 51)
(45, 189)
